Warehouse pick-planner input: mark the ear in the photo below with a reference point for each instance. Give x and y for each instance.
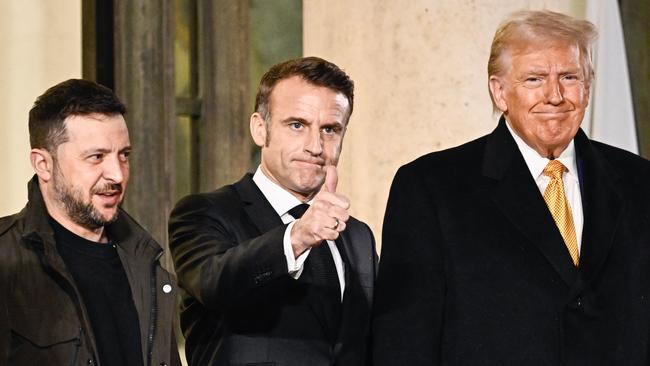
(42, 163)
(497, 89)
(258, 129)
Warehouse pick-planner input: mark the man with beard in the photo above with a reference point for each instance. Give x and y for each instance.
(275, 271)
(80, 280)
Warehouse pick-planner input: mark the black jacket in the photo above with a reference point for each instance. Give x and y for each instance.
(240, 306)
(43, 321)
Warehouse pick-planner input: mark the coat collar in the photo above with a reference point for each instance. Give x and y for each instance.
(515, 193)
(256, 206)
(602, 204)
(125, 231)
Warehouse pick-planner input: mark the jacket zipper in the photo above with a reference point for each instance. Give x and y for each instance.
(153, 312)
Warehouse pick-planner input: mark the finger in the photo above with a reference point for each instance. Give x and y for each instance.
(329, 234)
(341, 226)
(339, 213)
(338, 225)
(331, 179)
(332, 199)
(335, 225)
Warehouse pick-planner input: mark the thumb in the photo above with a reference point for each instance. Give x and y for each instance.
(331, 179)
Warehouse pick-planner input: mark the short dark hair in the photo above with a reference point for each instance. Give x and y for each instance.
(74, 97)
(314, 70)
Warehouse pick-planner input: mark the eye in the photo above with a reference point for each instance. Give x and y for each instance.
(332, 130)
(533, 81)
(570, 78)
(95, 158)
(124, 156)
(295, 125)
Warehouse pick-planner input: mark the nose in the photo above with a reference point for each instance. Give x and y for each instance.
(314, 143)
(554, 91)
(115, 170)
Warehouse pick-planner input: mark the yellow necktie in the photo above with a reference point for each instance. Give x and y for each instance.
(559, 207)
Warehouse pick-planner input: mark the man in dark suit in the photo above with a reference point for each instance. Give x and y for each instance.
(275, 271)
(528, 246)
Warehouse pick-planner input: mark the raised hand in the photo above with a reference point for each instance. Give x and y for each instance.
(325, 218)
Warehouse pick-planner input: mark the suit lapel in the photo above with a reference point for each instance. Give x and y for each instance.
(256, 205)
(517, 196)
(601, 204)
(265, 218)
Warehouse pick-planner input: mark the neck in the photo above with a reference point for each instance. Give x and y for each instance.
(301, 197)
(96, 235)
(550, 153)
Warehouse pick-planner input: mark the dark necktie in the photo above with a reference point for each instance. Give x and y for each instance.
(320, 259)
(325, 290)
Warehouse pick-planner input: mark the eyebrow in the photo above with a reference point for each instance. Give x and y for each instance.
(334, 124)
(104, 150)
(296, 119)
(338, 124)
(540, 71)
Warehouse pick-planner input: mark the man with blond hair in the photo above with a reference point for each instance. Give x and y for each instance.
(528, 246)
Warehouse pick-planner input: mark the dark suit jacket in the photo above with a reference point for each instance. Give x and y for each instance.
(240, 306)
(474, 271)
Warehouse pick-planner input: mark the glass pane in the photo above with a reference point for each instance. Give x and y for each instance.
(275, 36)
(184, 163)
(185, 69)
(184, 11)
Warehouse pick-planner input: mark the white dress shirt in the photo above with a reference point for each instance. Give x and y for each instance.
(536, 165)
(282, 201)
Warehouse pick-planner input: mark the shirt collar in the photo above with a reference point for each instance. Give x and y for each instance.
(537, 163)
(280, 199)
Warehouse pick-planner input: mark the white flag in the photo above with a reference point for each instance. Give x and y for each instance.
(610, 116)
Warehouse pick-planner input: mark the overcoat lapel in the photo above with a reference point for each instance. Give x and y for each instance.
(515, 193)
(601, 204)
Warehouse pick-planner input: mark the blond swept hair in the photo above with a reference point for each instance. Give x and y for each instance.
(533, 26)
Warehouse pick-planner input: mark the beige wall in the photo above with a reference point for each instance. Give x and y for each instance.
(40, 45)
(419, 68)
(420, 73)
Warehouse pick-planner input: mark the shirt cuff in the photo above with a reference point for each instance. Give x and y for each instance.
(295, 265)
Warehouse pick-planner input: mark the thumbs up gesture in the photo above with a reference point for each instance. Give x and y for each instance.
(325, 218)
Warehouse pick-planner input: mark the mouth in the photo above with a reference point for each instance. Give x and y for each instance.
(110, 197)
(318, 163)
(553, 112)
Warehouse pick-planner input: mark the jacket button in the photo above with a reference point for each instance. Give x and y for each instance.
(163, 364)
(579, 302)
(90, 361)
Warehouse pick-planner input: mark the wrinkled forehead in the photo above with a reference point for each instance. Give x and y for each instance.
(541, 46)
(97, 129)
(296, 91)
